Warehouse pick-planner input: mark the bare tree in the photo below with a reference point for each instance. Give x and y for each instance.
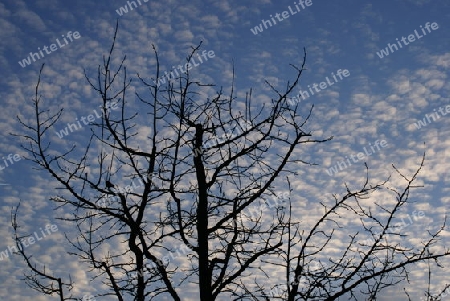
(207, 169)
(37, 278)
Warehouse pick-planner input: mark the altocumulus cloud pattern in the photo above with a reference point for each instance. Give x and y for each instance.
(375, 79)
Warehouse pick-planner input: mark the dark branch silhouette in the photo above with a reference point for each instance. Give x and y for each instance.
(207, 170)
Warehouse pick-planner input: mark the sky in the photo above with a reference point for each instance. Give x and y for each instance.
(376, 73)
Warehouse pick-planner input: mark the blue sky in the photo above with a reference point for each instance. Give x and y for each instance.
(380, 99)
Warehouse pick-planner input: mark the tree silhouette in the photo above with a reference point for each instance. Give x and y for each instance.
(208, 168)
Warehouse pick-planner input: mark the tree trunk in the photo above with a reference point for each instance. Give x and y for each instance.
(202, 221)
